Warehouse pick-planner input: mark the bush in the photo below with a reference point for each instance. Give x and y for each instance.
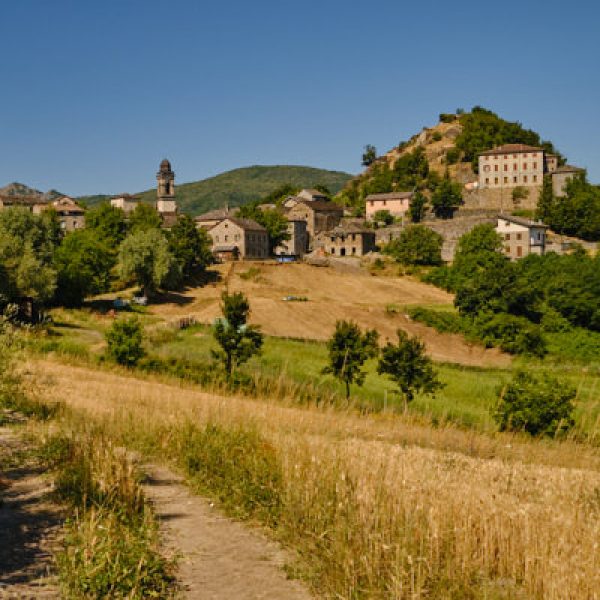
(515, 335)
(447, 117)
(124, 342)
(537, 405)
(436, 136)
(452, 156)
(442, 321)
(417, 245)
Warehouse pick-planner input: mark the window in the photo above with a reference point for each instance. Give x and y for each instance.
(524, 178)
(225, 238)
(534, 155)
(534, 165)
(487, 179)
(495, 180)
(506, 167)
(519, 236)
(333, 251)
(506, 180)
(496, 168)
(514, 180)
(534, 178)
(385, 202)
(525, 166)
(507, 236)
(507, 249)
(525, 155)
(353, 250)
(519, 250)
(515, 167)
(514, 156)
(506, 156)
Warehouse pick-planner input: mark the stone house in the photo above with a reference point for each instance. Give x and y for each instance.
(70, 215)
(242, 237)
(560, 177)
(521, 237)
(319, 215)
(213, 217)
(396, 203)
(312, 195)
(347, 240)
(297, 245)
(125, 202)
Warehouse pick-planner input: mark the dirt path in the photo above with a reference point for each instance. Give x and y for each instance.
(220, 559)
(29, 525)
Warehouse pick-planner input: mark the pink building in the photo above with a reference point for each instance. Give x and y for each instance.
(396, 203)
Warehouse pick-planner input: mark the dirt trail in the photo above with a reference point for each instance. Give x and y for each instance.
(220, 559)
(29, 525)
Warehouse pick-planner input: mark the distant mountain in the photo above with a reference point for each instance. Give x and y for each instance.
(20, 189)
(240, 186)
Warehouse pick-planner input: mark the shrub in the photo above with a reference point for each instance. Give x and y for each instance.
(452, 156)
(417, 245)
(515, 335)
(537, 405)
(447, 117)
(442, 321)
(124, 342)
(436, 136)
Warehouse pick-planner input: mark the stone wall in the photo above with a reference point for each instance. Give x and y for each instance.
(500, 200)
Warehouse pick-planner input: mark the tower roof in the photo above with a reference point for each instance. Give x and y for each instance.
(165, 165)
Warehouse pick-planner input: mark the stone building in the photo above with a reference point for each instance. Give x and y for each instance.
(521, 237)
(166, 204)
(33, 203)
(239, 238)
(560, 177)
(297, 245)
(347, 240)
(396, 203)
(319, 216)
(126, 202)
(312, 195)
(70, 215)
(514, 165)
(213, 217)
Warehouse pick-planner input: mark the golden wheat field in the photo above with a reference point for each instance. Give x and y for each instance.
(393, 508)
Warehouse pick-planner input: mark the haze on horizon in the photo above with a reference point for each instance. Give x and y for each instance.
(96, 94)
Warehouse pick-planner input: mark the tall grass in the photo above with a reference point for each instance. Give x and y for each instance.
(371, 514)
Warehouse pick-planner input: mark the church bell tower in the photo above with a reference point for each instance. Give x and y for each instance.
(166, 189)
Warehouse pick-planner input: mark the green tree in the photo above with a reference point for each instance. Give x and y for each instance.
(519, 193)
(190, 245)
(238, 341)
(416, 245)
(272, 220)
(369, 155)
(26, 250)
(407, 365)
(144, 217)
(546, 201)
(383, 216)
(446, 197)
(145, 258)
(124, 341)
(537, 405)
(418, 207)
(482, 238)
(109, 224)
(349, 348)
(83, 264)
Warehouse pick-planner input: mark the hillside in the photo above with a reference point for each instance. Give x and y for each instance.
(239, 186)
(452, 145)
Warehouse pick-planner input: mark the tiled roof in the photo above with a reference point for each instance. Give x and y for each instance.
(522, 221)
(390, 196)
(213, 215)
(511, 149)
(247, 224)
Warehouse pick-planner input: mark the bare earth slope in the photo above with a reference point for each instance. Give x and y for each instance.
(332, 295)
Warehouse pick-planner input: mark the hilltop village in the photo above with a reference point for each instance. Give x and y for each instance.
(508, 183)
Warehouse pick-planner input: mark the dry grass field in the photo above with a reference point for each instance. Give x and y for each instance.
(331, 295)
(383, 507)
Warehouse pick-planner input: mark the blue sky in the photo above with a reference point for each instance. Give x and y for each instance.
(95, 93)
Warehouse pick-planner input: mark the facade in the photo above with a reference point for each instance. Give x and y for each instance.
(319, 215)
(243, 238)
(514, 165)
(521, 237)
(396, 203)
(297, 245)
(165, 202)
(348, 240)
(70, 215)
(560, 177)
(126, 203)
